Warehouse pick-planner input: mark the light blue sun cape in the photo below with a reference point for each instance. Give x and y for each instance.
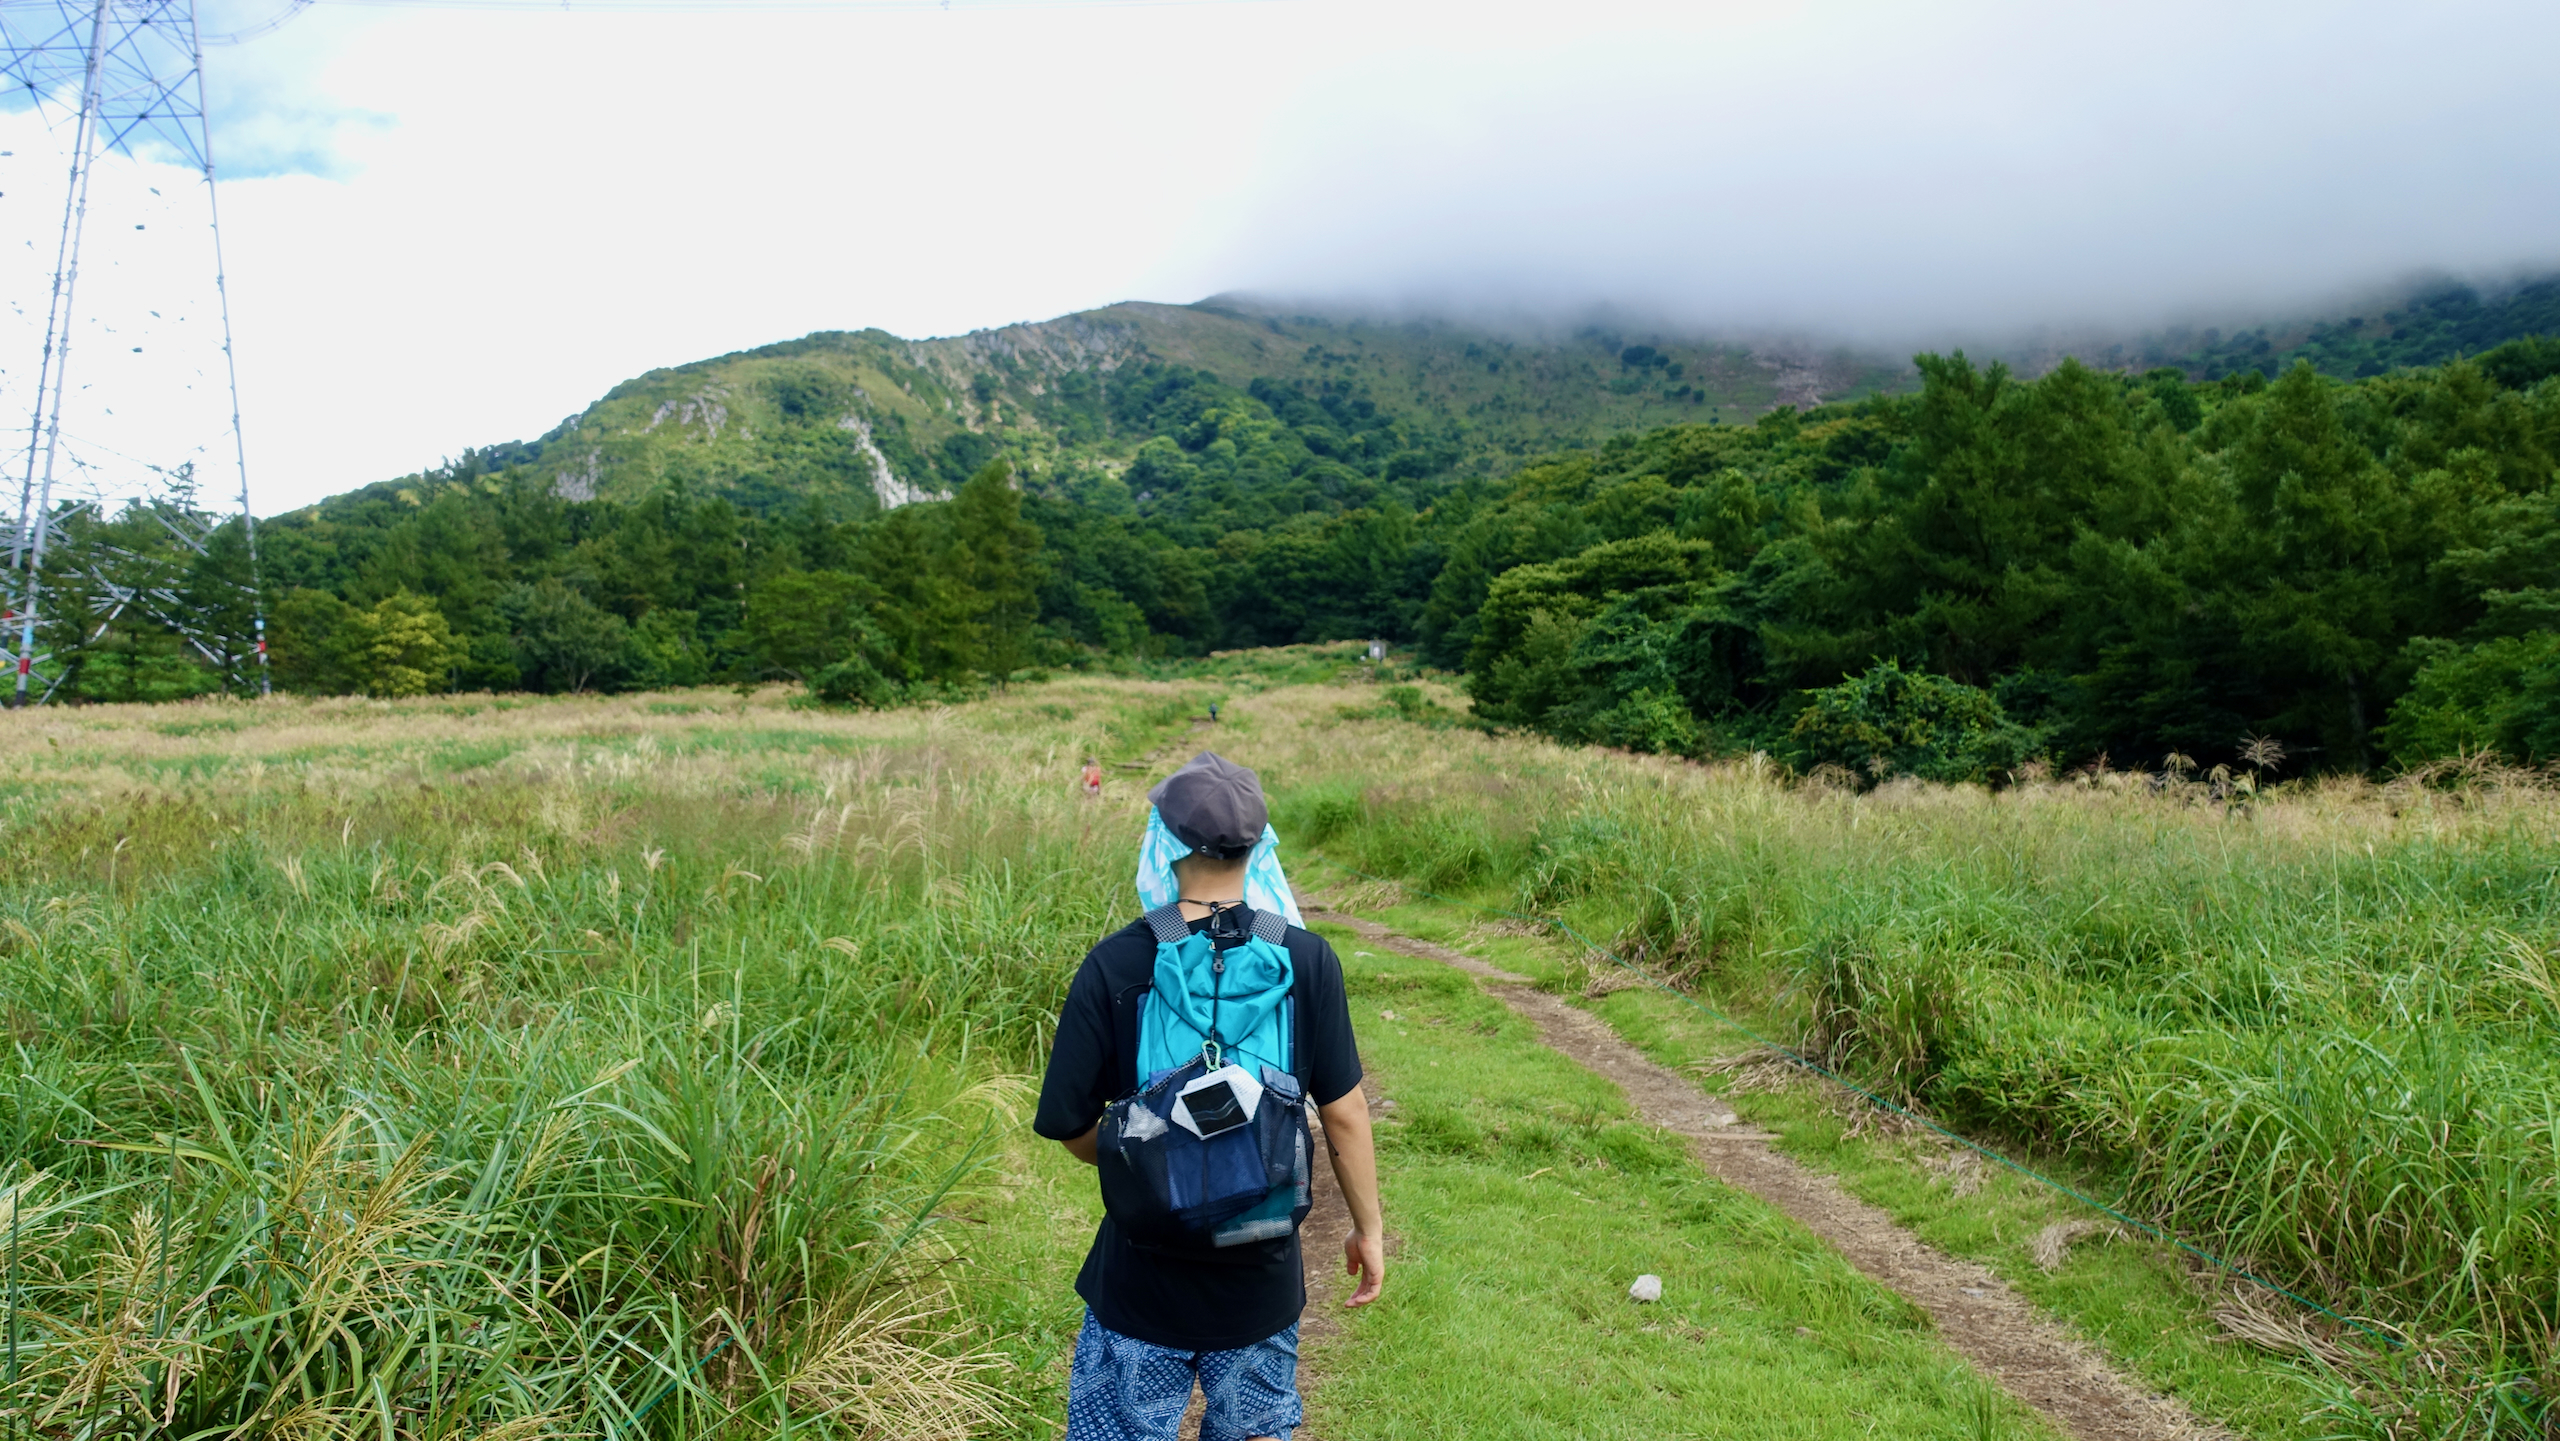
(1265, 888)
(1245, 1001)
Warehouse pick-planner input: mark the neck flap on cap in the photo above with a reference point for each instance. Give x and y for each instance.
(1266, 887)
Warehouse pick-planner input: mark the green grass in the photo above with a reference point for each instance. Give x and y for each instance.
(2136, 1299)
(1020, 1240)
(2317, 1035)
(630, 1028)
(360, 1092)
(1526, 1198)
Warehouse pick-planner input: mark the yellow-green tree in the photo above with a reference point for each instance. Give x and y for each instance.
(401, 646)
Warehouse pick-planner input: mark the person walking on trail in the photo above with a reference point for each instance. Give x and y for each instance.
(1213, 712)
(1092, 779)
(1190, 1042)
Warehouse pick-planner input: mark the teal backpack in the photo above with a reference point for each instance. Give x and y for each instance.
(1210, 1148)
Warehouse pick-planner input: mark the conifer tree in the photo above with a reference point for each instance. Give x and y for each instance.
(992, 570)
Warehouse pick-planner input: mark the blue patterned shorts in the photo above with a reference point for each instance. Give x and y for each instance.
(1123, 1389)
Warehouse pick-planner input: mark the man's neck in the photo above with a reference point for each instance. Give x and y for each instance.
(1222, 890)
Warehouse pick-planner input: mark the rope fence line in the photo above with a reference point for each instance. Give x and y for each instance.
(1816, 1068)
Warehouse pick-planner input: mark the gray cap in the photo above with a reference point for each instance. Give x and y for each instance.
(1213, 806)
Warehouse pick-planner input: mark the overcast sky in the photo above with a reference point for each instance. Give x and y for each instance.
(452, 226)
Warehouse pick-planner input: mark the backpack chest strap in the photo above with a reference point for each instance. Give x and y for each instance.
(1171, 929)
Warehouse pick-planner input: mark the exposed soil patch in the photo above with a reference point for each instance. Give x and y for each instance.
(1995, 1328)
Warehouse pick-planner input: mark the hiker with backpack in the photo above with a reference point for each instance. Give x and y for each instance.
(1189, 1045)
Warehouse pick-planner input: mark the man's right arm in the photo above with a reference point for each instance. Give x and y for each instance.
(1072, 1094)
(1335, 1069)
(1355, 1169)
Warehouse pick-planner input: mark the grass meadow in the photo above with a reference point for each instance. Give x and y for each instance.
(2318, 1032)
(658, 1065)
(1525, 1196)
(467, 1067)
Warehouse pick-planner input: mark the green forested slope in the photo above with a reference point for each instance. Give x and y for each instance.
(1955, 580)
(851, 418)
(2083, 565)
(2427, 325)
(1188, 468)
(841, 415)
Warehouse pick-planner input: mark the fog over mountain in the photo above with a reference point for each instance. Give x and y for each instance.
(1919, 176)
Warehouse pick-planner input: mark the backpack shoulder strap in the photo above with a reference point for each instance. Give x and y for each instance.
(1167, 922)
(1274, 927)
(1297, 1028)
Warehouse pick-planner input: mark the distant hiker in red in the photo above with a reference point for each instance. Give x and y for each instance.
(1092, 779)
(1190, 1046)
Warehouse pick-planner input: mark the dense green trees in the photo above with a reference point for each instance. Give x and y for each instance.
(1942, 583)
(2499, 697)
(1893, 722)
(2129, 565)
(990, 576)
(2428, 326)
(400, 645)
(1228, 525)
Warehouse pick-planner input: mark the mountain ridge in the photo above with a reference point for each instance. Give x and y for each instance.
(912, 417)
(860, 420)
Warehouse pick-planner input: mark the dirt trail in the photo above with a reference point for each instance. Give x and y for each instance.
(1320, 1251)
(2001, 1332)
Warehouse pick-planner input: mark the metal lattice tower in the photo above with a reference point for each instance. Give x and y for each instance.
(128, 75)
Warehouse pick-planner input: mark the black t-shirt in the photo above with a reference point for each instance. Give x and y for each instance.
(1191, 1300)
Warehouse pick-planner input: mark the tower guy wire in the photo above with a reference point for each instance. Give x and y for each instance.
(230, 361)
(129, 75)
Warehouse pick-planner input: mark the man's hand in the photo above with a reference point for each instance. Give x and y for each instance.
(1364, 1256)
(1355, 1167)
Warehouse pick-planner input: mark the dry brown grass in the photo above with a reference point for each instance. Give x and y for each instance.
(1962, 1170)
(2050, 1247)
(1755, 1071)
(2271, 1323)
(894, 1366)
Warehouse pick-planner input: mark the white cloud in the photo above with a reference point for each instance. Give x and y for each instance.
(1905, 172)
(454, 227)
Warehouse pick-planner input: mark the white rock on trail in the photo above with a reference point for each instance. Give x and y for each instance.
(1648, 1287)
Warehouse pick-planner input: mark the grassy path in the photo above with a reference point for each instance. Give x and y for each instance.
(1525, 1194)
(1995, 1328)
(2144, 1304)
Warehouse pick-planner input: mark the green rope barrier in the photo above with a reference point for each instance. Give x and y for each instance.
(652, 1403)
(2145, 1227)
